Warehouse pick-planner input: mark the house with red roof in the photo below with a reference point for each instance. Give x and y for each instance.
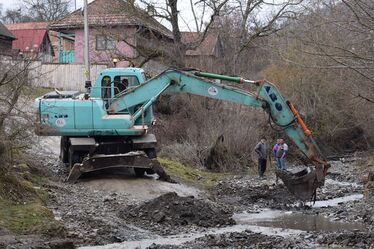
(32, 40)
(206, 54)
(116, 30)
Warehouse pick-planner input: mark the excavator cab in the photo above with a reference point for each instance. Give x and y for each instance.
(113, 82)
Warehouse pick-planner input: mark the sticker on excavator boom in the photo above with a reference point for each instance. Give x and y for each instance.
(213, 91)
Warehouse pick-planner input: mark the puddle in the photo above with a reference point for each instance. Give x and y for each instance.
(294, 221)
(336, 201)
(333, 182)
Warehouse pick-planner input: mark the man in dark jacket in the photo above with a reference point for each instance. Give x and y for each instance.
(261, 152)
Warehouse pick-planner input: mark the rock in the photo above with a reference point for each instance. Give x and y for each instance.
(369, 190)
(308, 236)
(61, 244)
(370, 176)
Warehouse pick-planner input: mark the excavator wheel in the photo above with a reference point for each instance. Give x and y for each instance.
(64, 150)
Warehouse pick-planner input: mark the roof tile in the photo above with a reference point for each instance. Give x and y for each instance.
(28, 39)
(27, 25)
(109, 13)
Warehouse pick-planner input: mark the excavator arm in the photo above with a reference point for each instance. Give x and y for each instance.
(266, 96)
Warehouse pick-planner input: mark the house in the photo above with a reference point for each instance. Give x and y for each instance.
(6, 39)
(62, 43)
(116, 31)
(205, 55)
(32, 40)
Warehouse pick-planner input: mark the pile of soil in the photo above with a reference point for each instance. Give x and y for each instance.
(34, 241)
(171, 210)
(246, 192)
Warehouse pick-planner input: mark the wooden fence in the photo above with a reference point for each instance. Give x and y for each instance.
(61, 76)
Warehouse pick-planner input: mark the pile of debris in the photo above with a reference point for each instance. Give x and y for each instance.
(348, 239)
(172, 211)
(233, 240)
(246, 191)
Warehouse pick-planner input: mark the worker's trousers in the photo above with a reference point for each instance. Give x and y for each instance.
(281, 163)
(261, 166)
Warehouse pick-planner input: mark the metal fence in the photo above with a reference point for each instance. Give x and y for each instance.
(61, 76)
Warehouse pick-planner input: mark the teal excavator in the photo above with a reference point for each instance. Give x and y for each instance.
(107, 126)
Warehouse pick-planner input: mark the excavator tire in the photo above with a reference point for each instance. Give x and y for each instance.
(64, 150)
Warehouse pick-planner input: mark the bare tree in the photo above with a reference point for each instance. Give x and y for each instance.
(245, 23)
(47, 10)
(37, 10)
(15, 115)
(324, 62)
(340, 36)
(168, 11)
(16, 16)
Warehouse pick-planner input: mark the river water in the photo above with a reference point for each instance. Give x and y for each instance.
(267, 221)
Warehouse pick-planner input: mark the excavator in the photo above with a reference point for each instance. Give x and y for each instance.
(107, 125)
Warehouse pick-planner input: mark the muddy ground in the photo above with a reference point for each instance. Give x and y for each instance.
(118, 210)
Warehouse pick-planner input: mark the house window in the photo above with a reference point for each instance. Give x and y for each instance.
(104, 42)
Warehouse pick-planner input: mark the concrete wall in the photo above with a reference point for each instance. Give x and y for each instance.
(61, 76)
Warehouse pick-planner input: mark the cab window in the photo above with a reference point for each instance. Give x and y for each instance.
(122, 82)
(144, 76)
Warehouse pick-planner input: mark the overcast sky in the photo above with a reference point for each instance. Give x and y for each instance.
(184, 6)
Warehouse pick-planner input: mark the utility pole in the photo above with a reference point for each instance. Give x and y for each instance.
(86, 46)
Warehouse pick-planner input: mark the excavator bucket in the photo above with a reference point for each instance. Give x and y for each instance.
(303, 184)
(135, 159)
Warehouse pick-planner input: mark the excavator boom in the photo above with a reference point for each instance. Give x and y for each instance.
(281, 112)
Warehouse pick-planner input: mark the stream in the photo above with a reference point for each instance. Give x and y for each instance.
(267, 221)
